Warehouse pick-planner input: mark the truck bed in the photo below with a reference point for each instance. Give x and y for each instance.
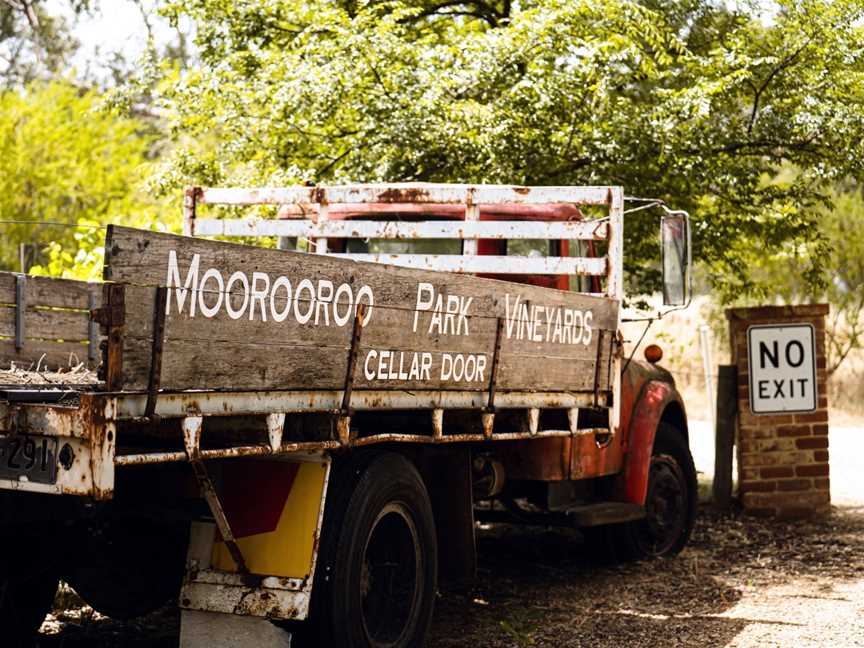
(203, 349)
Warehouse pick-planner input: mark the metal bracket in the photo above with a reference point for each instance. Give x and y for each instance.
(192, 443)
(92, 329)
(344, 421)
(156, 351)
(275, 428)
(597, 367)
(493, 373)
(488, 415)
(20, 309)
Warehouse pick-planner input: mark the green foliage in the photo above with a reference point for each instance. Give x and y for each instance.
(841, 228)
(69, 166)
(681, 100)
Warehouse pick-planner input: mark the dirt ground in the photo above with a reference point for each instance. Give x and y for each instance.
(742, 582)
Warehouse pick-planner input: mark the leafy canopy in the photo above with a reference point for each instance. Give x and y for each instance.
(64, 160)
(682, 100)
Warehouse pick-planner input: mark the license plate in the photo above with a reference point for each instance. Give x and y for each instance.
(33, 457)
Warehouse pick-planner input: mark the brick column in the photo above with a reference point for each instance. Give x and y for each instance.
(782, 458)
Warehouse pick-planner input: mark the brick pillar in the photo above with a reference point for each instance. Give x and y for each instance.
(782, 457)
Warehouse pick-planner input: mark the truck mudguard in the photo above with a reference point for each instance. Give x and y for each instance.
(656, 401)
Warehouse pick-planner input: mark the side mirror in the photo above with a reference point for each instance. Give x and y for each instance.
(676, 257)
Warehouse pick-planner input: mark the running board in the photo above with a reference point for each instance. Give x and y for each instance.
(592, 515)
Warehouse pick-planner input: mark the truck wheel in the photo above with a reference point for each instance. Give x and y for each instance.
(129, 567)
(670, 502)
(377, 566)
(26, 596)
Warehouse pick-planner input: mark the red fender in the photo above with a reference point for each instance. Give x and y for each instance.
(653, 399)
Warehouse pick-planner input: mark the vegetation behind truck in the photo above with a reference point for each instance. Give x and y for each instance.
(312, 437)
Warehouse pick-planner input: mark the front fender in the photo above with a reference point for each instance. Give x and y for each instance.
(655, 400)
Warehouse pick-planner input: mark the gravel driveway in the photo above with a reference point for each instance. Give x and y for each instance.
(742, 582)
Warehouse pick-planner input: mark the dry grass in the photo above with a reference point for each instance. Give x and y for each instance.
(742, 582)
(37, 375)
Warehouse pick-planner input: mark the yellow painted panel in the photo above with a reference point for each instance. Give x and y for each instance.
(286, 551)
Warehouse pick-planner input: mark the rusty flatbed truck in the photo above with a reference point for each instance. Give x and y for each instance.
(285, 436)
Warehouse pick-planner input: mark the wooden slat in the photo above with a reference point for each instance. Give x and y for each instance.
(501, 265)
(57, 355)
(41, 324)
(409, 193)
(440, 229)
(220, 352)
(49, 291)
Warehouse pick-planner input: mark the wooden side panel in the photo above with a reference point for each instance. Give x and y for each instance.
(56, 319)
(241, 317)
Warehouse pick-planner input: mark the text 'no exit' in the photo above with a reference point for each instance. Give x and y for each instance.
(782, 368)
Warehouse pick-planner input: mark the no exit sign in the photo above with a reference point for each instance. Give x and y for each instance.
(782, 368)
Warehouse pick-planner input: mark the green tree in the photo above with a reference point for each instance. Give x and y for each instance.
(683, 100)
(841, 227)
(35, 43)
(66, 168)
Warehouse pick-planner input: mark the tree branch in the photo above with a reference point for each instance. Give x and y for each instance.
(786, 63)
(481, 10)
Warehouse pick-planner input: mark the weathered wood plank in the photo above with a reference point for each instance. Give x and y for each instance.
(42, 324)
(50, 291)
(240, 317)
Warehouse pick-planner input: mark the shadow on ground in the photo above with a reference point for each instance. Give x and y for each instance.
(539, 588)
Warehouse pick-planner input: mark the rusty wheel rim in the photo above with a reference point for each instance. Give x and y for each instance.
(665, 507)
(389, 577)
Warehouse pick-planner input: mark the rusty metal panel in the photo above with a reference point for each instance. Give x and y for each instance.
(86, 444)
(180, 404)
(247, 600)
(210, 590)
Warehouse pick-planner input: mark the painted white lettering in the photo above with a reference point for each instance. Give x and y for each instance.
(229, 298)
(481, 367)
(370, 373)
(458, 366)
(578, 325)
(173, 281)
(425, 366)
(446, 366)
(414, 373)
(568, 327)
(470, 367)
(557, 332)
(277, 315)
(535, 324)
(423, 304)
(370, 302)
(383, 364)
(301, 317)
(586, 336)
(325, 296)
(259, 294)
(342, 319)
(450, 315)
(219, 291)
(511, 316)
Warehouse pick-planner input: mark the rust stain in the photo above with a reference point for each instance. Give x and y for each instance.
(406, 195)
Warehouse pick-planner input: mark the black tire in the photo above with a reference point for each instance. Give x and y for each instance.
(136, 567)
(670, 502)
(27, 590)
(377, 565)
